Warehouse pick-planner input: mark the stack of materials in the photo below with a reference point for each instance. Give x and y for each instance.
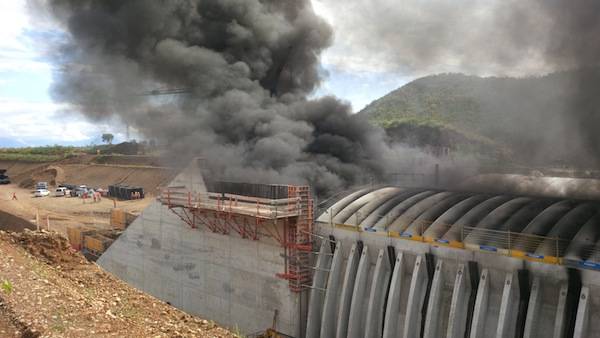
(124, 192)
(76, 236)
(91, 242)
(120, 219)
(268, 191)
(96, 243)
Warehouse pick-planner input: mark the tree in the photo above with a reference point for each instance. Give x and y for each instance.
(107, 138)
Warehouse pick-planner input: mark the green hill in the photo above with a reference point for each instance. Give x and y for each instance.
(532, 120)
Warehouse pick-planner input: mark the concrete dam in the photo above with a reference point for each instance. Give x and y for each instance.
(408, 263)
(379, 262)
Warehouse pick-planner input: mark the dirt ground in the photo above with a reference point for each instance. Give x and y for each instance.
(49, 290)
(63, 212)
(91, 170)
(85, 170)
(7, 327)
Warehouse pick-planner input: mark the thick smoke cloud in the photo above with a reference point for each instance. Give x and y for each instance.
(499, 38)
(249, 66)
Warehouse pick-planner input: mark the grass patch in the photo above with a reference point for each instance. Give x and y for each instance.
(46, 153)
(30, 157)
(58, 323)
(6, 286)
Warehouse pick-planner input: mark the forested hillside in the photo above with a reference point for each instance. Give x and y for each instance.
(535, 119)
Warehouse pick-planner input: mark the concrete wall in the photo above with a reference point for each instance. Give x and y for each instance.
(220, 277)
(225, 278)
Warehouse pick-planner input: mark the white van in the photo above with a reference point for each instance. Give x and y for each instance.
(60, 192)
(41, 193)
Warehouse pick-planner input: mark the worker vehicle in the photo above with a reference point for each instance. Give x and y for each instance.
(67, 186)
(41, 193)
(60, 192)
(41, 186)
(78, 191)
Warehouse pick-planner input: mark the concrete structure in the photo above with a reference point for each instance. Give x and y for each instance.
(225, 278)
(519, 290)
(389, 262)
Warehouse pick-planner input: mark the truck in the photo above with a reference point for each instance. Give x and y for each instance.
(41, 186)
(3, 177)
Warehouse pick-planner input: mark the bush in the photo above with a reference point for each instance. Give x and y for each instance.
(7, 286)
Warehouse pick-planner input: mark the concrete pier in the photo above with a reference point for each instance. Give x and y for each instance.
(459, 304)
(348, 291)
(583, 314)
(559, 322)
(358, 309)
(432, 322)
(481, 306)
(533, 309)
(332, 295)
(317, 293)
(416, 296)
(508, 308)
(379, 289)
(392, 312)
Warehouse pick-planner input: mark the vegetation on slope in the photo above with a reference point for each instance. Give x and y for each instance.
(38, 154)
(529, 119)
(58, 152)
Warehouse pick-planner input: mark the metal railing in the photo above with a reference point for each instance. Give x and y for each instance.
(251, 206)
(529, 246)
(526, 246)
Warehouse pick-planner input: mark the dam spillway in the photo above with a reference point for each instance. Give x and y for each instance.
(429, 263)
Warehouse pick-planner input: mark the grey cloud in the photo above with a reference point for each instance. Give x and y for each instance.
(249, 64)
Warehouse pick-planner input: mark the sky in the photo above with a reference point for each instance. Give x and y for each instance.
(30, 117)
(28, 114)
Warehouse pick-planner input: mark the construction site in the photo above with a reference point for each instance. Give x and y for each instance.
(299, 168)
(375, 261)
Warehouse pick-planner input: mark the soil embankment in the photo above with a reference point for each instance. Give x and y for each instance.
(94, 171)
(13, 223)
(52, 291)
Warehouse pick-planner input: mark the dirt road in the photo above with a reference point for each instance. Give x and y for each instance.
(62, 212)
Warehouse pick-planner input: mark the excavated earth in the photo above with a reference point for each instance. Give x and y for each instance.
(49, 290)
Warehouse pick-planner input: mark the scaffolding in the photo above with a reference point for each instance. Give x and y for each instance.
(298, 243)
(287, 220)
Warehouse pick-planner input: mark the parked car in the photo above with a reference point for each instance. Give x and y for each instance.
(67, 186)
(60, 192)
(4, 179)
(78, 192)
(41, 193)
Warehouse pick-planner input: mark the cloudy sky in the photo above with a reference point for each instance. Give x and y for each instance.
(29, 117)
(379, 46)
(27, 114)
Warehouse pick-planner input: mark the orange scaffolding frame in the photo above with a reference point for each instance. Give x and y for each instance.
(253, 218)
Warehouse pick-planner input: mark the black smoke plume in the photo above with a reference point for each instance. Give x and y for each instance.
(248, 65)
(497, 38)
